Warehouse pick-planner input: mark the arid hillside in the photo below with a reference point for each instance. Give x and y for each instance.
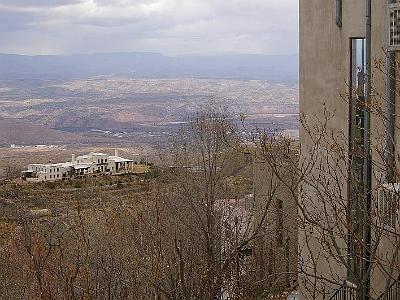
(15, 131)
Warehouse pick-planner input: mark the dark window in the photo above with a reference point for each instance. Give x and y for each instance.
(356, 146)
(389, 207)
(270, 266)
(356, 114)
(339, 13)
(287, 261)
(394, 26)
(279, 223)
(358, 65)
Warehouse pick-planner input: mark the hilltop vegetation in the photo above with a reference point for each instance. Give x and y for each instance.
(127, 236)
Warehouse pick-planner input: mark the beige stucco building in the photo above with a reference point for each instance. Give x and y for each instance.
(332, 104)
(91, 164)
(275, 249)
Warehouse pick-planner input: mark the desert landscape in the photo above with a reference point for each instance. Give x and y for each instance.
(126, 111)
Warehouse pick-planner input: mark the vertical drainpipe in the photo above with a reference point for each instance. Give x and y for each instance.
(339, 13)
(390, 112)
(367, 176)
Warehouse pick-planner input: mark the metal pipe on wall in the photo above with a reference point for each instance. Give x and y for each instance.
(390, 113)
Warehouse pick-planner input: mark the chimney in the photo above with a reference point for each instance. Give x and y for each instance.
(73, 158)
(116, 152)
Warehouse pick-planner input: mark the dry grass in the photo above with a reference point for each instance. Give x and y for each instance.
(6, 230)
(141, 169)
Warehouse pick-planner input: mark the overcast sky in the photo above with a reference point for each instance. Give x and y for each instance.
(166, 26)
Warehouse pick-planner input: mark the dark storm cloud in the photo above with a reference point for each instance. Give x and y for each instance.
(169, 26)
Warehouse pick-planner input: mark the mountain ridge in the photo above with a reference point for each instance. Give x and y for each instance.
(149, 65)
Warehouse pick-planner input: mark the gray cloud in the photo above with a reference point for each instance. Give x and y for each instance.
(38, 3)
(167, 26)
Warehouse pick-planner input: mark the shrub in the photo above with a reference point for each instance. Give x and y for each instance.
(77, 184)
(119, 185)
(50, 185)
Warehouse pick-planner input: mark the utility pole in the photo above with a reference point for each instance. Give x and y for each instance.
(367, 172)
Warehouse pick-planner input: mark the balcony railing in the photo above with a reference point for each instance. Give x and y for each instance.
(393, 293)
(348, 291)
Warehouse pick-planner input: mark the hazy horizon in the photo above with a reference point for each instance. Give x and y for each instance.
(154, 52)
(276, 68)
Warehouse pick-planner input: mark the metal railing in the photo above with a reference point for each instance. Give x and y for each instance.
(348, 291)
(393, 293)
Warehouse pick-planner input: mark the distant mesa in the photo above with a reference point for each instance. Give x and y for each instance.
(278, 68)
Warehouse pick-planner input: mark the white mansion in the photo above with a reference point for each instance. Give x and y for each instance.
(87, 165)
